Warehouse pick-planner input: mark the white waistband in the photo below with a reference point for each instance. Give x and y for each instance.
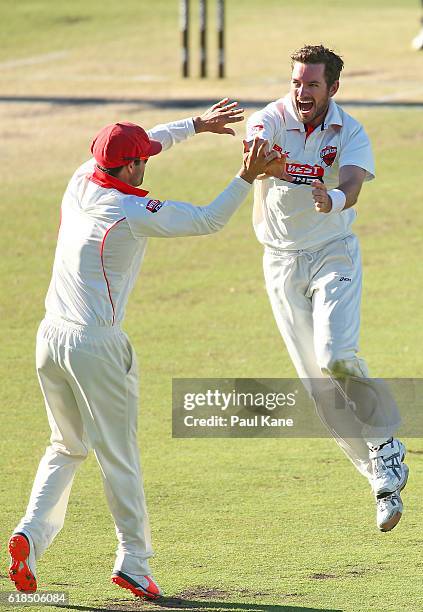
(273, 250)
(88, 330)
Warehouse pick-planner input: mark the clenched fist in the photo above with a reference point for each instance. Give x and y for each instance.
(322, 201)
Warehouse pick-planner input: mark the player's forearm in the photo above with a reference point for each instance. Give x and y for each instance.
(351, 189)
(172, 218)
(218, 212)
(350, 182)
(185, 219)
(169, 134)
(336, 200)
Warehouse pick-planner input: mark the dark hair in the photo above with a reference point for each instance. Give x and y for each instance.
(318, 54)
(116, 171)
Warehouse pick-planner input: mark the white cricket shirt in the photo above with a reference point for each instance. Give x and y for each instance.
(284, 216)
(103, 236)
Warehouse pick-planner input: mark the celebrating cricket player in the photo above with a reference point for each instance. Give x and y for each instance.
(86, 366)
(303, 213)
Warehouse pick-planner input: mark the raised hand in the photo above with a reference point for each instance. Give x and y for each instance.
(215, 118)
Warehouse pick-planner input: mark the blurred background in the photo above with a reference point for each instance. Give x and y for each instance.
(223, 512)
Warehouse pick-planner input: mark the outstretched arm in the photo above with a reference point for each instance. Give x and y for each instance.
(215, 120)
(170, 218)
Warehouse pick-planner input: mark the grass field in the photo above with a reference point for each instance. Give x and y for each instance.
(244, 525)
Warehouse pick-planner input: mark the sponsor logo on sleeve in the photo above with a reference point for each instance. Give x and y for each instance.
(154, 205)
(304, 174)
(328, 154)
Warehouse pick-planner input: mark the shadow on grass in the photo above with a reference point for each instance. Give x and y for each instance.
(173, 603)
(165, 103)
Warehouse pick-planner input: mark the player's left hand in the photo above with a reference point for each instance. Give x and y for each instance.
(322, 201)
(215, 118)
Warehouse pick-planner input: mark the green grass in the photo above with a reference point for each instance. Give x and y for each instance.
(267, 525)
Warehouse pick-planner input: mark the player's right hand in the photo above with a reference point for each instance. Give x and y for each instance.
(277, 168)
(256, 159)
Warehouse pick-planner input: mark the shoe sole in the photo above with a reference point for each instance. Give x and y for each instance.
(393, 521)
(137, 591)
(19, 571)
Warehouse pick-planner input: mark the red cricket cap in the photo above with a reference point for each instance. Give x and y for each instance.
(120, 143)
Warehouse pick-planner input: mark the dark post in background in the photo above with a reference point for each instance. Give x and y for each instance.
(203, 38)
(184, 12)
(221, 37)
(202, 21)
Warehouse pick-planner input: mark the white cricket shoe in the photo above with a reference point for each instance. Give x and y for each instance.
(417, 42)
(388, 469)
(389, 509)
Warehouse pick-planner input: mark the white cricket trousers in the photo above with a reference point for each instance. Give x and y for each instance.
(89, 379)
(315, 298)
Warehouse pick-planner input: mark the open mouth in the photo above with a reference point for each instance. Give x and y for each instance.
(305, 106)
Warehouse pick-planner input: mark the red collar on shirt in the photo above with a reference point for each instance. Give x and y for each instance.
(309, 129)
(110, 182)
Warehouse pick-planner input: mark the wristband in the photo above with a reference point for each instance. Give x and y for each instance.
(338, 198)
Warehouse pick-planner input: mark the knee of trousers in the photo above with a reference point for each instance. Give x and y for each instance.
(339, 366)
(72, 453)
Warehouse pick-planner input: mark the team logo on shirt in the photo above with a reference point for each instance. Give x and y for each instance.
(304, 174)
(257, 128)
(328, 155)
(154, 205)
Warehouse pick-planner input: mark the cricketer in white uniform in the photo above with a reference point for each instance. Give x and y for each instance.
(86, 365)
(303, 212)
